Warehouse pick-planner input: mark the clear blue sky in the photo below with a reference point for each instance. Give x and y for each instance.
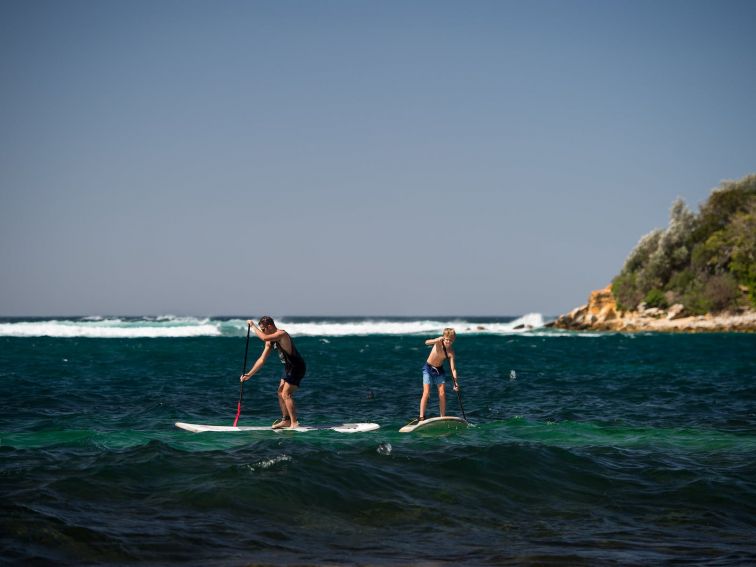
(349, 157)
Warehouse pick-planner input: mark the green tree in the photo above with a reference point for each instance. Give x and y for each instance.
(703, 260)
(724, 203)
(625, 286)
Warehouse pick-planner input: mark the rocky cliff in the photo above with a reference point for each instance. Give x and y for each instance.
(601, 314)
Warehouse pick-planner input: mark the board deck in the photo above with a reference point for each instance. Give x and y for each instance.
(340, 428)
(436, 424)
(343, 428)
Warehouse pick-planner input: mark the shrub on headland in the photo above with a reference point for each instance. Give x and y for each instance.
(656, 298)
(706, 261)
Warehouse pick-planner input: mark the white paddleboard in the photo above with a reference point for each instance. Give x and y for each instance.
(199, 428)
(341, 428)
(446, 423)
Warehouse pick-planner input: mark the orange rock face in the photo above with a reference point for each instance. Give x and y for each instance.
(602, 305)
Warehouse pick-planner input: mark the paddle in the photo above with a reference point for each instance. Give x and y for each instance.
(241, 386)
(456, 386)
(459, 397)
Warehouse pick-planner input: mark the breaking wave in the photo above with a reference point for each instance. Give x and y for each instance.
(168, 326)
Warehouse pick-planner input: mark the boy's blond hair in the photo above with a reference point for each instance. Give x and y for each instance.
(450, 333)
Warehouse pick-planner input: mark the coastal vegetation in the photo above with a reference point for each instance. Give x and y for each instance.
(704, 261)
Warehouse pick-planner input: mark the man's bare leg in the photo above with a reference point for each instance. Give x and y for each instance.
(291, 408)
(284, 412)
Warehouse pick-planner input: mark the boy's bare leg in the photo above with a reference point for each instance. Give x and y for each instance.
(424, 399)
(442, 399)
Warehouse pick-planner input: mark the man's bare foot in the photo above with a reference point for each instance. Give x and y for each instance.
(281, 423)
(294, 425)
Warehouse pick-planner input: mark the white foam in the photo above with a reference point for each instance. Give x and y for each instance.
(268, 463)
(169, 326)
(362, 328)
(110, 329)
(420, 327)
(384, 449)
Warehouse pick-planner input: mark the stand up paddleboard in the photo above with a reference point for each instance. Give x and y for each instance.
(342, 428)
(435, 424)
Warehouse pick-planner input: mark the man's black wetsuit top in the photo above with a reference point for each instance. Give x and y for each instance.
(294, 364)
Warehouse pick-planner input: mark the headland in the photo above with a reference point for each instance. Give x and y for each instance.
(602, 314)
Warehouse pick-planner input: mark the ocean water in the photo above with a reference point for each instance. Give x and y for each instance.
(586, 449)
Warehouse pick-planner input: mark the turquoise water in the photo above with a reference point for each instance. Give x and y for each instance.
(586, 449)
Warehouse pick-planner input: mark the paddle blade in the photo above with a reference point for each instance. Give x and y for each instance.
(238, 411)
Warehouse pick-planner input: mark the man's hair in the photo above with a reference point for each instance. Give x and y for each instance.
(449, 333)
(266, 320)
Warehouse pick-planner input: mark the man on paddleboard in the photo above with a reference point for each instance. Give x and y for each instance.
(433, 370)
(294, 368)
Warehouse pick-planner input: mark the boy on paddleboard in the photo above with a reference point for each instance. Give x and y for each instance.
(434, 373)
(294, 368)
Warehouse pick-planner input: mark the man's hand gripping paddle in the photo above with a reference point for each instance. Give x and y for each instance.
(241, 386)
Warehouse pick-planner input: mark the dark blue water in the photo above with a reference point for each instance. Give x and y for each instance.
(611, 449)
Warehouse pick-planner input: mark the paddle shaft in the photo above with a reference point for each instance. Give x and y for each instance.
(459, 397)
(456, 386)
(241, 386)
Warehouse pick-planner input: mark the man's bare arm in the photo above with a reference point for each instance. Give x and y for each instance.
(258, 364)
